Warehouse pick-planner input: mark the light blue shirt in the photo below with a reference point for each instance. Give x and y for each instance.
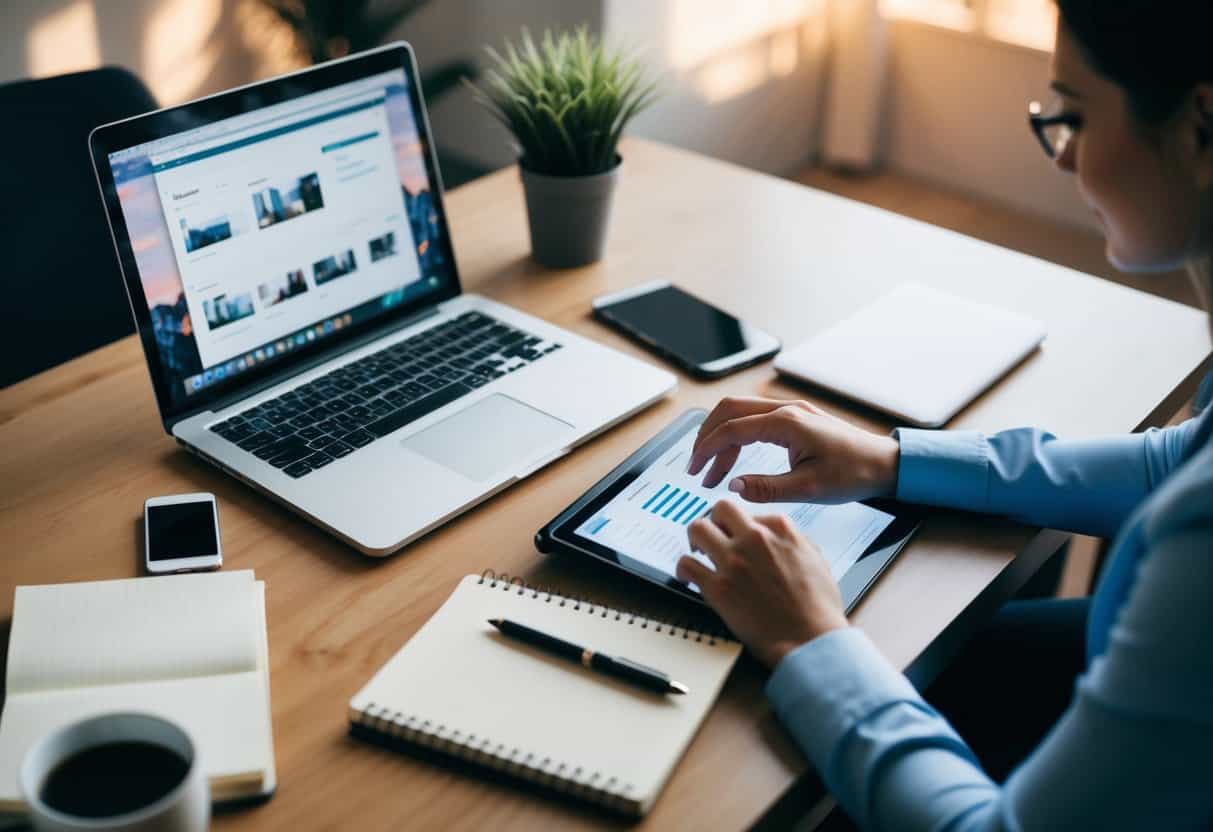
(1134, 750)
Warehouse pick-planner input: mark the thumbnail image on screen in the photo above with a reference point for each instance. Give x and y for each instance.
(222, 310)
(384, 246)
(205, 233)
(274, 198)
(275, 204)
(331, 268)
(281, 288)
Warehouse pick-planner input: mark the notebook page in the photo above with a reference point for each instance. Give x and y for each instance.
(269, 780)
(459, 672)
(140, 629)
(225, 715)
(228, 717)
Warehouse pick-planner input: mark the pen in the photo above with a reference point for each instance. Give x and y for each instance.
(621, 668)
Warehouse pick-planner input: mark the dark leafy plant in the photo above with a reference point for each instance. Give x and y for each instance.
(566, 100)
(327, 29)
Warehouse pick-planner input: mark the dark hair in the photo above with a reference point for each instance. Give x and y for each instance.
(1156, 50)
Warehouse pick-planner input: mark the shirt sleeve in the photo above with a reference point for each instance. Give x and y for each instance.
(1131, 751)
(1082, 485)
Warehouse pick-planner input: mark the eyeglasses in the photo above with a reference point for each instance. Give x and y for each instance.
(1053, 132)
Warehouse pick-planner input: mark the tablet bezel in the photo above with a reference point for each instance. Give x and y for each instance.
(559, 535)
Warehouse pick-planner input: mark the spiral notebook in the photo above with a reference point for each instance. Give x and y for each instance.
(460, 688)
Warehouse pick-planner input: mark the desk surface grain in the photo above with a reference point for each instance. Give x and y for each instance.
(81, 447)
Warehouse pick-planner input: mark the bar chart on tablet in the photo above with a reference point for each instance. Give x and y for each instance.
(648, 520)
(675, 504)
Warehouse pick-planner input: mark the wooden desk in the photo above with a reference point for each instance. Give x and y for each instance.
(81, 447)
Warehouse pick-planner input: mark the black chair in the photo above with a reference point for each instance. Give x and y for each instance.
(63, 291)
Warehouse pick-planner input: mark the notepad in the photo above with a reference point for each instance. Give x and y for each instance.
(189, 648)
(461, 688)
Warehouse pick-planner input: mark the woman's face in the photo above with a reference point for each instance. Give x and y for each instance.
(1147, 185)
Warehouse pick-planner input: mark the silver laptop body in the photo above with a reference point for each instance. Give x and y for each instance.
(315, 343)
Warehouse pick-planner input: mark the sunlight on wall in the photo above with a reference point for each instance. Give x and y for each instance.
(730, 48)
(951, 14)
(785, 53)
(179, 47)
(703, 29)
(1030, 23)
(733, 74)
(1026, 22)
(65, 41)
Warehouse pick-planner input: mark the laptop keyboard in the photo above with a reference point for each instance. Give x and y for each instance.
(332, 416)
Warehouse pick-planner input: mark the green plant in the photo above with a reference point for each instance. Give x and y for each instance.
(565, 99)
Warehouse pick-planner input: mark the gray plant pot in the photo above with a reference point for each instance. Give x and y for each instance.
(569, 216)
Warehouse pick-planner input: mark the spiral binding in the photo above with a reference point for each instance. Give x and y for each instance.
(595, 787)
(515, 583)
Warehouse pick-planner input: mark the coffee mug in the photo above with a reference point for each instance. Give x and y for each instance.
(122, 772)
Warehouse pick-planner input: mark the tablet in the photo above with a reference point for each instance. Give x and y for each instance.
(636, 517)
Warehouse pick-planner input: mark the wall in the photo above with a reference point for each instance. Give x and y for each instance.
(181, 48)
(968, 128)
(188, 48)
(741, 81)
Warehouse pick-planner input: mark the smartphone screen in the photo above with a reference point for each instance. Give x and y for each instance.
(181, 530)
(693, 332)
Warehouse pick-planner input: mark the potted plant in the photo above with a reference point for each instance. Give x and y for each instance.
(566, 101)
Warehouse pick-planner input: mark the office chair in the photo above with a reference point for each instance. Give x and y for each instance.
(62, 288)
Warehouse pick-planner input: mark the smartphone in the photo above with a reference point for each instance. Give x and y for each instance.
(181, 533)
(705, 341)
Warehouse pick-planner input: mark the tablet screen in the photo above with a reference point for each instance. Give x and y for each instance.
(647, 520)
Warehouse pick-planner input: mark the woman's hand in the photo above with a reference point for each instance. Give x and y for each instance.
(832, 461)
(771, 585)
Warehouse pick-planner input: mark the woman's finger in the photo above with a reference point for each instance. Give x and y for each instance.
(730, 518)
(780, 524)
(692, 571)
(705, 536)
(798, 485)
(784, 529)
(720, 467)
(727, 409)
(781, 426)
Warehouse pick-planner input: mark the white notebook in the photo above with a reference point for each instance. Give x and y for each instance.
(189, 648)
(917, 353)
(461, 688)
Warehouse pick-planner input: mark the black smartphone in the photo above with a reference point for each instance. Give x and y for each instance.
(703, 340)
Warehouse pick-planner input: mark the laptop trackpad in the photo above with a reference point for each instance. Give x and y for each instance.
(495, 435)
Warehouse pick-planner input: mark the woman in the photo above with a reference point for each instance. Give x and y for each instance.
(1132, 743)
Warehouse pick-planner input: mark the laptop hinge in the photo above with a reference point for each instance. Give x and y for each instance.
(287, 373)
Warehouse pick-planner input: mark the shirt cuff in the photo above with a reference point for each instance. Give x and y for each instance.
(824, 687)
(942, 468)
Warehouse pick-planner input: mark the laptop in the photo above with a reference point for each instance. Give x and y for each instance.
(291, 273)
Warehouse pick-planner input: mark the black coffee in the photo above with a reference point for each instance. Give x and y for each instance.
(112, 779)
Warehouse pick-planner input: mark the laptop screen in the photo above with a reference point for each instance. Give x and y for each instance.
(259, 236)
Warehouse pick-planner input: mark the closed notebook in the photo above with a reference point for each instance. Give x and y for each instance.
(461, 688)
(917, 353)
(189, 648)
